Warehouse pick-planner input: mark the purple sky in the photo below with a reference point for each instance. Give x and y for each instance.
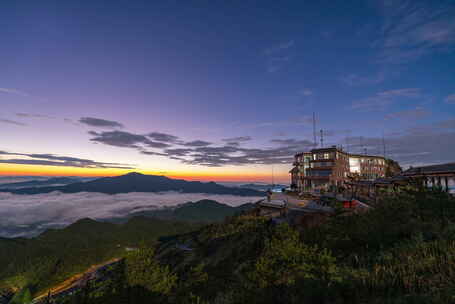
(234, 84)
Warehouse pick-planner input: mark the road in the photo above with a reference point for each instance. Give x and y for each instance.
(74, 282)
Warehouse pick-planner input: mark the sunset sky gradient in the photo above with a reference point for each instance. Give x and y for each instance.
(221, 90)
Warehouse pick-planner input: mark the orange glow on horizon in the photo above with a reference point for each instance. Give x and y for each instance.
(221, 176)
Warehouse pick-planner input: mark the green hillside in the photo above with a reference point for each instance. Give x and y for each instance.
(402, 251)
(57, 254)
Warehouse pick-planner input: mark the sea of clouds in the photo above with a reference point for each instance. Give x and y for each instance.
(29, 215)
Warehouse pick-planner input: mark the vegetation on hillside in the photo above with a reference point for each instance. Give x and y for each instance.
(401, 251)
(33, 265)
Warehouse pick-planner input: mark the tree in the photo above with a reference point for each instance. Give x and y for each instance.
(287, 266)
(145, 275)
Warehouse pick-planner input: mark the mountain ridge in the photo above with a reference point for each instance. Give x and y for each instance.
(137, 182)
(40, 183)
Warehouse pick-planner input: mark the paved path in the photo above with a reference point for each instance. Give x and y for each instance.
(291, 200)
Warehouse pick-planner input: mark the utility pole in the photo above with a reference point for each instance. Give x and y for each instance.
(273, 177)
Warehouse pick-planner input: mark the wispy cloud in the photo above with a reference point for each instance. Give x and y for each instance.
(297, 121)
(359, 80)
(412, 114)
(14, 92)
(236, 141)
(381, 100)
(306, 92)
(450, 99)
(28, 115)
(412, 29)
(419, 145)
(278, 56)
(12, 122)
(279, 48)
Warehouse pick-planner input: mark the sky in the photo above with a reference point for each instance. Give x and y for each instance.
(221, 90)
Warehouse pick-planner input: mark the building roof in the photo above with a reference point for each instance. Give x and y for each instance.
(433, 169)
(391, 180)
(303, 153)
(327, 149)
(366, 156)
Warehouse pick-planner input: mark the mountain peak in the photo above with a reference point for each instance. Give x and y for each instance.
(134, 174)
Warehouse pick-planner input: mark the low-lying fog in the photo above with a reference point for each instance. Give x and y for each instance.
(29, 215)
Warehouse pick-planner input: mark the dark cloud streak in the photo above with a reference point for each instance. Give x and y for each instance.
(12, 122)
(100, 123)
(55, 160)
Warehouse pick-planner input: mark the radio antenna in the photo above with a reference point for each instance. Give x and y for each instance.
(314, 129)
(383, 143)
(322, 139)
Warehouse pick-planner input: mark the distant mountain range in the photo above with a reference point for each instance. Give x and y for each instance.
(262, 187)
(136, 182)
(56, 181)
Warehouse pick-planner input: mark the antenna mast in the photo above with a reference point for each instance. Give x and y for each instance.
(322, 139)
(314, 129)
(383, 143)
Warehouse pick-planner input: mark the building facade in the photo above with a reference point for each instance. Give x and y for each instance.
(332, 167)
(301, 165)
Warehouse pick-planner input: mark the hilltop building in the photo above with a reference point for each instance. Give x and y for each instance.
(441, 175)
(332, 167)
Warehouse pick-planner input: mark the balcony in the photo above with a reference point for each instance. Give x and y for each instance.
(316, 178)
(322, 165)
(324, 172)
